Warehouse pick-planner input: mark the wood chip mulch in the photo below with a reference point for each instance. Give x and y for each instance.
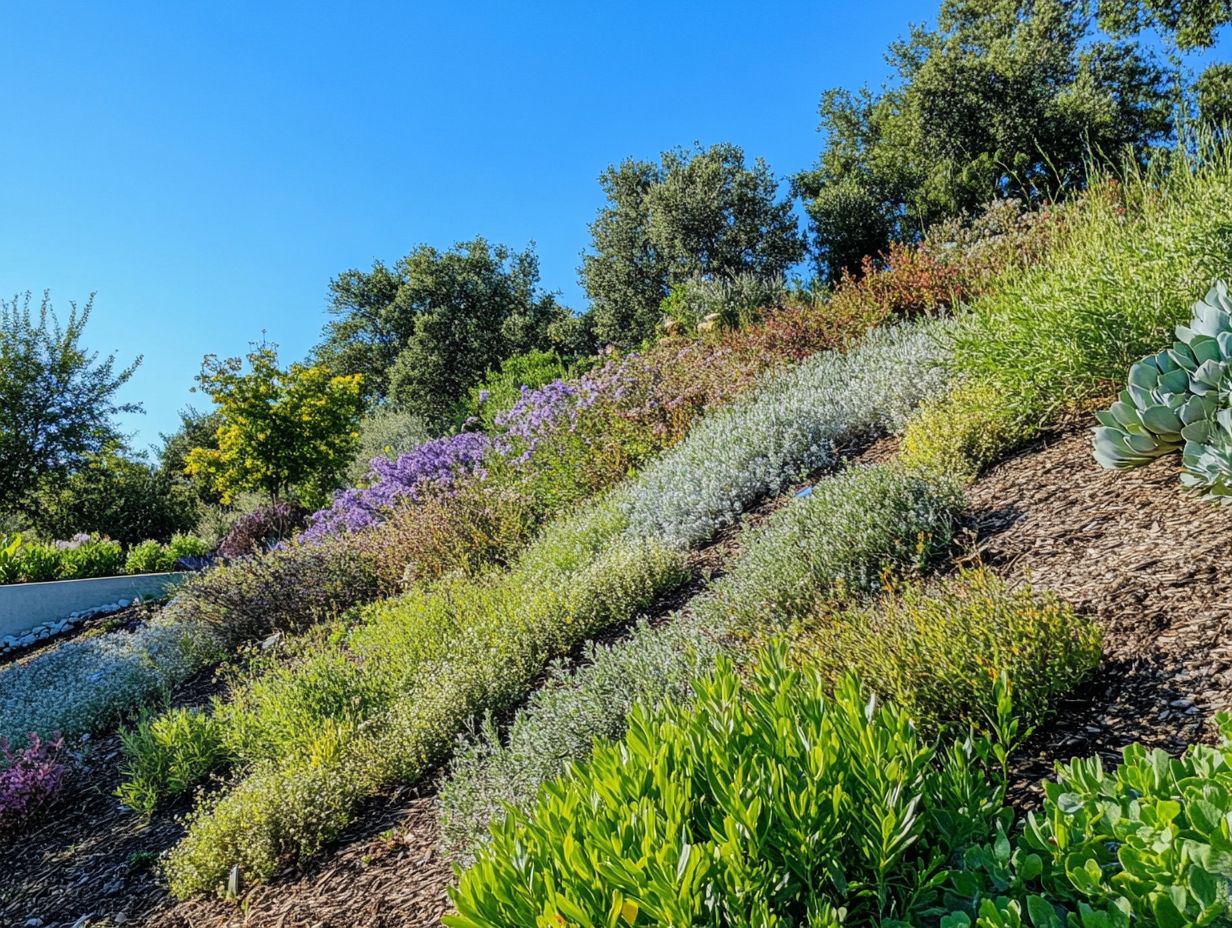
(1145, 558)
(1130, 549)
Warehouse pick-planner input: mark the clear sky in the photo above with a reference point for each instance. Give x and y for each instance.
(208, 167)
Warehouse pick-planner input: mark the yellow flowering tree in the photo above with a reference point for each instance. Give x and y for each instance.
(282, 433)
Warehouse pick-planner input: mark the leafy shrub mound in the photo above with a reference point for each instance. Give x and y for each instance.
(839, 541)
(262, 529)
(150, 557)
(768, 804)
(939, 650)
(1144, 844)
(30, 778)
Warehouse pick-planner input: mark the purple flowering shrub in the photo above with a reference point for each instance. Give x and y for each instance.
(430, 469)
(30, 779)
(262, 529)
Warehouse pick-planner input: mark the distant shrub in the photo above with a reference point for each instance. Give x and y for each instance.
(938, 650)
(262, 529)
(708, 305)
(97, 557)
(30, 778)
(145, 558)
(759, 804)
(501, 389)
(184, 547)
(387, 432)
(38, 563)
(165, 756)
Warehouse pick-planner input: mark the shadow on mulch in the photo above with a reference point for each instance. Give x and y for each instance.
(1141, 556)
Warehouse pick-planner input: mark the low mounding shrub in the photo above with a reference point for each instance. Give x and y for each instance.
(280, 590)
(769, 804)
(1146, 844)
(29, 779)
(97, 679)
(150, 557)
(561, 721)
(939, 650)
(166, 755)
(842, 539)
(262, 529)
(95, 557)
(419, 669)
(795, 422)
(962, 432)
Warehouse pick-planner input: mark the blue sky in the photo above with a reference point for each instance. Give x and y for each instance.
(208, 167)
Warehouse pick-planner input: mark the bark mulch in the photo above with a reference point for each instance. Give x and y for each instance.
(1146, 559)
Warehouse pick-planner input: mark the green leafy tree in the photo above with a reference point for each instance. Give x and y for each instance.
(424, 331)
(280, 432)
(1214, 92)
(698, 213)
(125, 498)
(57, 398)
(1003, 98)
(1190, 24)
(197, 430)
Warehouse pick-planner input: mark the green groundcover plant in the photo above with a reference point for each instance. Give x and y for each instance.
(768, 804)
(1148, 843)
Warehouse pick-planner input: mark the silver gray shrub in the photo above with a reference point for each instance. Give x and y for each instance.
(793, 423)
(560, 722)
(85, 684)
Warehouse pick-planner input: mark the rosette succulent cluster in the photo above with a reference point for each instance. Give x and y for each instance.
(1179, 400)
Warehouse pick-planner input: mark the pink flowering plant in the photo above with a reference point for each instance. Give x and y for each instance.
(30, 779)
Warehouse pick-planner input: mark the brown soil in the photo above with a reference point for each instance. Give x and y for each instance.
(1146, 559)
(1132, 550)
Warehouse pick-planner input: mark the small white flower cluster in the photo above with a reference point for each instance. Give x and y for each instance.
(790, 425)
(88, 682)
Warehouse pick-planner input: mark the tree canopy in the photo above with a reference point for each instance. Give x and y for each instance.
(57, 398)
(279, 431)
(427, 329)
(1001, 98)
(699, 213)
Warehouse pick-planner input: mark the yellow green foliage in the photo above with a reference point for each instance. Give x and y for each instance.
(938, 650)
(281, 430)
(962, 432)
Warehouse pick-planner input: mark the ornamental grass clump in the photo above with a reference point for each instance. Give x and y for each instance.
(1117, 280)
(768, 803)
(940, 649)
